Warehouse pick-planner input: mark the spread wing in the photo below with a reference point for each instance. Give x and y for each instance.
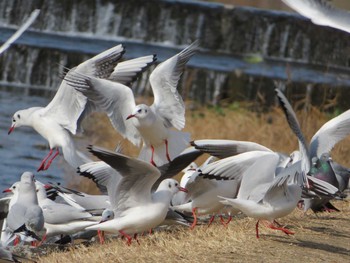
(116, 99)
(226, 148)
(321, 12)
(69, 105)
(330, 134)
(128, 71)
(164, 80)
(138, 177)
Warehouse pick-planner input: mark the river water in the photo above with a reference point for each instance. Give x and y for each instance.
(24, 149)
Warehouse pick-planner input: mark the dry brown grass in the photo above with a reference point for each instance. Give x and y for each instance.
(322, 238)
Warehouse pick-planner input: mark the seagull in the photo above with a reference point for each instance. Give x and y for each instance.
(150, 124)
(62, 117)
(135, 208)
(315, 157)
(322, 12)
(207, 183)
(62, 219)
(26, 215)
(265, 197)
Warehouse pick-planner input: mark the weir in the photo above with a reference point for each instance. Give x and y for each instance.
(243, 50)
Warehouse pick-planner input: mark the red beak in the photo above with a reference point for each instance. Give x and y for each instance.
(182, 189)
(11, 129)
(48, 186)
(8, 190)
(130, 116)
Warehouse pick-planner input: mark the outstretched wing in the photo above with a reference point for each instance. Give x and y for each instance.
(330, 134)
(138, 177)
(164, 80)
(226, 148)
(69, 105)
(322, 12)
(116, 99)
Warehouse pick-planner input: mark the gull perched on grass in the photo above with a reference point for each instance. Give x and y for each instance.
(62, 117)
(62, 219)
(135, 208)
(150, 124)
(322, 12)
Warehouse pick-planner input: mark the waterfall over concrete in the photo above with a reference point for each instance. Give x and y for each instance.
(243, 49)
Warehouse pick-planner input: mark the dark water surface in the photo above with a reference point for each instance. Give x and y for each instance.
(24, 149)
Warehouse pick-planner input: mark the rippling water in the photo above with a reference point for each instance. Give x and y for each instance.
(24, 149)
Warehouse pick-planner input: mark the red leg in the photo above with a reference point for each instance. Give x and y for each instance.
(223, 221)
(16, 241)
(101, 236)
(50, 161)
(150, 232)
(128, 242)
(167, 151)
(257, 229)
(211, 220)
(152, 161)
(284, 230)
(194, 218)
(135, 237)
(42, 165)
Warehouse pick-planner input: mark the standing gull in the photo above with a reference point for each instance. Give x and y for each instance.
(151, 124)
(26, 215)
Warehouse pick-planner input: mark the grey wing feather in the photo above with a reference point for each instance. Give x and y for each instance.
(128, 71)
(15, 218)
(68, 105)
(62, 214)
(116, 99)
(164, 80)
(138, 177)
(226, 148)
(322, 12)
(172, 168)
(330, 134)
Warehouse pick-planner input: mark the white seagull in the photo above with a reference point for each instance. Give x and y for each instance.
(62, 219)
(219, 178)
(135, 208)
(26, 215)
(322, 12)
(150, 124)
(62, 117)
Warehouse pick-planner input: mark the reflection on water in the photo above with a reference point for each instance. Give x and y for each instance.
(24, 149)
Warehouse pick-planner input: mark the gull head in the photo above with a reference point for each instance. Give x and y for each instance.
(20, 118)
(13, 189)
(141, 111)
(27, 181)
(171, 185)
(107, 215)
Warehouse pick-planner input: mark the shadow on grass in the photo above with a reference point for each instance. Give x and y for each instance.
(313, 245)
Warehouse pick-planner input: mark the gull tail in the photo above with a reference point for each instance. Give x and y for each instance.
(178, 141)
(74, 157)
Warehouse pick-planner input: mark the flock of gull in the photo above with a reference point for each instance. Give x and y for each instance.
(139, 194)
